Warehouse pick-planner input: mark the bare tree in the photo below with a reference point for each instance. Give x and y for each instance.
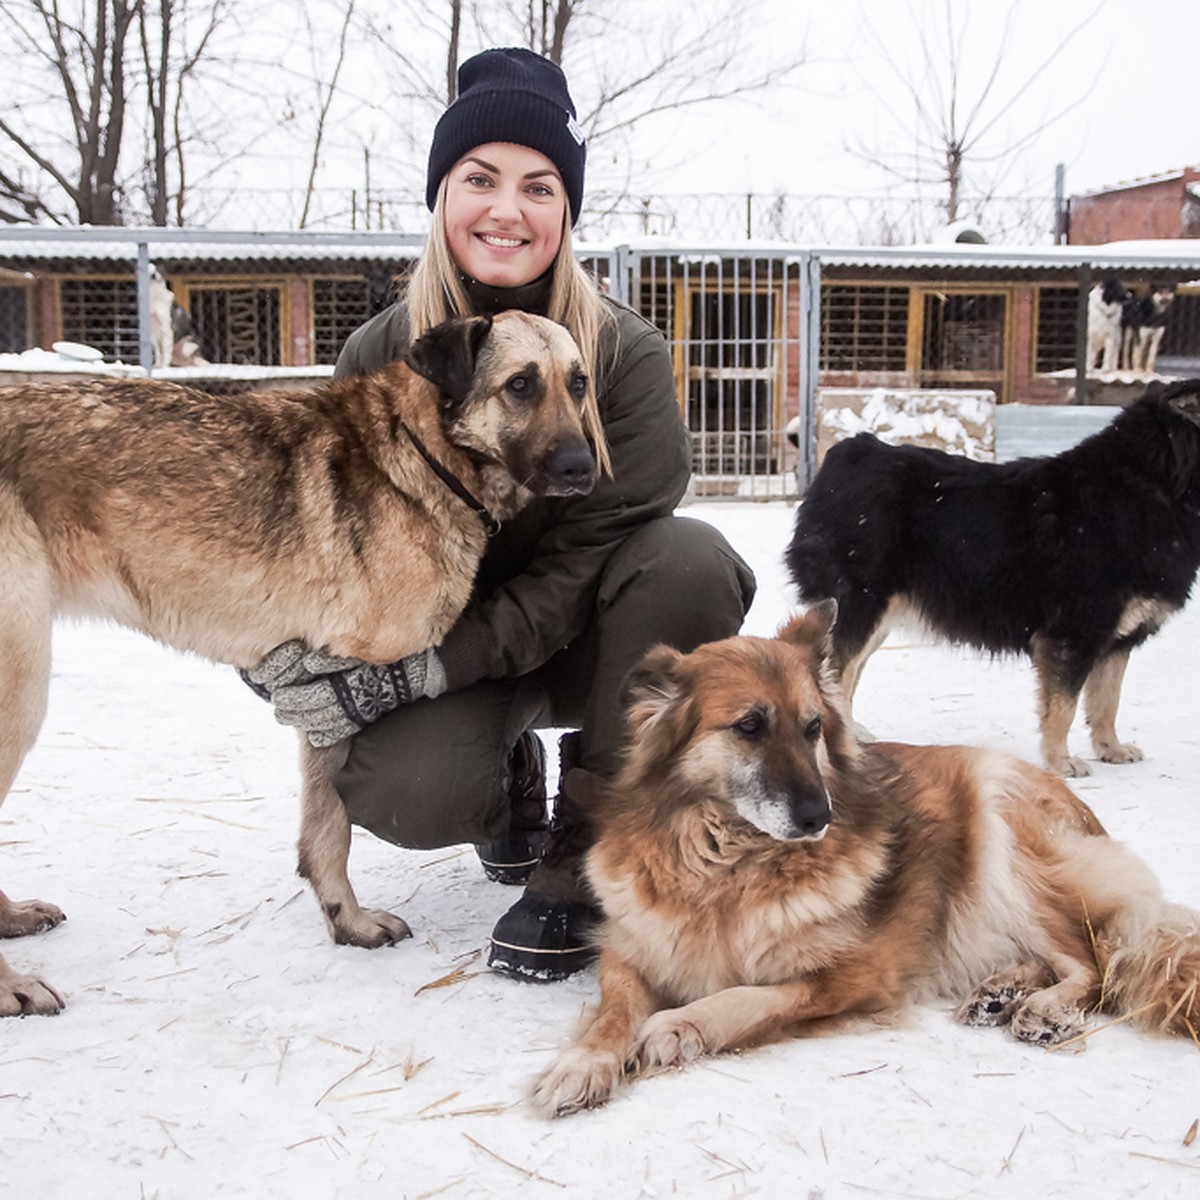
(326, 93)
(87, 79)
(80, 59)
(628, 62)
(452, 47)
(955, 116)
(546, 25)
(175, 37)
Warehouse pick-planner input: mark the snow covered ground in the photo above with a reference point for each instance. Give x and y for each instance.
(216, 1043)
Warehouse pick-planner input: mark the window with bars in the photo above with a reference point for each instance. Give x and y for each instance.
(731, 380)
(864, 327)
(1056, 316)
(238, 323)
(600, 267)
(339, 307)
(656, 302)
(963, 334)
(1181, 337)
(16, 331)
(102, 313)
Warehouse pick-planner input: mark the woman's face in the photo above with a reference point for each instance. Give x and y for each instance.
(505, 207)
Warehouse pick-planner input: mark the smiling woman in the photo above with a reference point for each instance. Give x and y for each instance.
(571, 592)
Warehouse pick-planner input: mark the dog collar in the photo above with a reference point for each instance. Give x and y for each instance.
(456, 485)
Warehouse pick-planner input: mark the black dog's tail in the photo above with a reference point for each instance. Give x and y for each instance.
(811, 566)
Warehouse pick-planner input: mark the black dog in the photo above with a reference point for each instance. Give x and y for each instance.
(1143, 322)
(1072, 559)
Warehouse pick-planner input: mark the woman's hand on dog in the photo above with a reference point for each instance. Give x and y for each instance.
(332, 698)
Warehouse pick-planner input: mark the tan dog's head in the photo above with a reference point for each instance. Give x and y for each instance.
(744, 722)
(512, 390)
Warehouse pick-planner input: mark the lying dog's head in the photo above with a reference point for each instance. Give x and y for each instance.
(747, 722)
(512, 390)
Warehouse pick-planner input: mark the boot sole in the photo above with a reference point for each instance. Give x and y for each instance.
(538, 966)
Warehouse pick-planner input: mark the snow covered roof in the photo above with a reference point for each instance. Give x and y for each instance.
(29, 245)
(1129, 256)
(1126, 185)
(121, 246)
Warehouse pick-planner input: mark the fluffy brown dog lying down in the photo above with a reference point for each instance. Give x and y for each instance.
(351, 517)
(760, 870)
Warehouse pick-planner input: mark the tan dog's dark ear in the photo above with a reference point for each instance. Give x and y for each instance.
(651, 686)
(812, 628)
(447, 353)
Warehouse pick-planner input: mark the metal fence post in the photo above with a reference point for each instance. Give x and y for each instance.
(1082, 365)
(624, 261)
(810, 365)
(145, 341)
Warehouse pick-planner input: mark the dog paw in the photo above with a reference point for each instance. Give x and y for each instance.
(368, 927)
(1119, 752)
(26, 996)
(21, 918)
(667, 1040)
(577, 1079)
(991, 1004)
(1045, 1024)
(1070, 767)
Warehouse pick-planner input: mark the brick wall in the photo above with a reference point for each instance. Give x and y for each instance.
(1148, 210)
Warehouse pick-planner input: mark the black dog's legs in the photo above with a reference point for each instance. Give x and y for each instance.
(1061, 672)
(1101, 695)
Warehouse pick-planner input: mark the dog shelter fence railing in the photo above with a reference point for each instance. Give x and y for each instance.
(755, 330)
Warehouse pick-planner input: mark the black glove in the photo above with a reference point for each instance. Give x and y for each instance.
(331, 698)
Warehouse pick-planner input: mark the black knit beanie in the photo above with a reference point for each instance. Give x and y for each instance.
(513, 96)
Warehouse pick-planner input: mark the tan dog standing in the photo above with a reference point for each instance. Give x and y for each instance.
(352, 517)
(761, 871)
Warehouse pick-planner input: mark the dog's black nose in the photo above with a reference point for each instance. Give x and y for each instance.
(810, 815)
(574, 468)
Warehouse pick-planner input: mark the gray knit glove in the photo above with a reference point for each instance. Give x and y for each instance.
(331, 698)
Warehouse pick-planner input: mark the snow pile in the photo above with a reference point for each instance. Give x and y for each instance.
(51, 362)
(962, 422)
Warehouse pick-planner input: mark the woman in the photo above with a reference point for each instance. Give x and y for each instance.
(573, 591)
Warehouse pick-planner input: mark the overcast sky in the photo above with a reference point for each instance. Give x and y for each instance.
(1127, 79)
(1138, 57)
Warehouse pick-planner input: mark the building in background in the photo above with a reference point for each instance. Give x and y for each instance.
(1164, 206)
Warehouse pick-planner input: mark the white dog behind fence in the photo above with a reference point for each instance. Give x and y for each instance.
(162, 330)
(1106, 303)
(172, 338)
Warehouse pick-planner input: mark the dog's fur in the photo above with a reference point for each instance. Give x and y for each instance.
(1106, 303)
(1143, 323)
(225, 526)
(1073, 559)
(761, 872)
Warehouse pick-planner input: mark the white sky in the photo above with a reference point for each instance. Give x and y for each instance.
(1134, 60)
(1136, 56)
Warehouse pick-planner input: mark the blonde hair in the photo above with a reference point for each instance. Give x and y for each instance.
(435, 293)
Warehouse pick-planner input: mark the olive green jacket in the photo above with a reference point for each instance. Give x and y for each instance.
(537, 586)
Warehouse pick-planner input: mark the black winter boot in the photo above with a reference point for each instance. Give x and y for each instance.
(545, 936)
(511, 857)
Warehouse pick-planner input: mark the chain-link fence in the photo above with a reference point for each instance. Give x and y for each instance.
(756, 331)
(830, 220)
